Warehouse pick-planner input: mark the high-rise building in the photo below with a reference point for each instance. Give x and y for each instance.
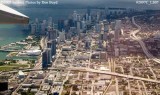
(62, 36)
(52, 45)
(75, 15)
(52, 33)
(87, 17)
(46, 57)
(98, 27)
(53, 52)
(73, 30)
(83, 25)
(60, 25)
(50, 22)
(78, 26)
(36, 20)
(33, 28)
(89, 11)
(49, 55)
(117, 30)
(87, 43)
(43, 28)
(90, 19)
(102, 31)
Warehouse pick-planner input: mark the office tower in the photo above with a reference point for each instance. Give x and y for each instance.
(116, 50)
(53, 52)
(105, 22)
(100, 44)
(112, 26)
(45, 59)
(52, 33)
(52, 45)
(98, 16)
(102, 31)
(60, 25)
(50, 21)
(98, 27)
(33, 28)
(117, 30)
(36, 21)
(90, 19)
(49, 44)
(87, 17)
(43, 27)
(71, 23)
(78, 18)
(88, 11)
(75, 15)
(78, 26)
(62, 36)
(83, 25)
(49, 55)
(73, 30)
(87, 43)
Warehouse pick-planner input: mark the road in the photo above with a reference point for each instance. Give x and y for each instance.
(81, 69)
(138, 39)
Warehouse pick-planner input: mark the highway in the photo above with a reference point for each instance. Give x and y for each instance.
(80, 69)
(138, 39)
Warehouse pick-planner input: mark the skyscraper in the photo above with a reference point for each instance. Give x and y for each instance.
(62, 36)
(52, 33)
(50, 22)
(75, 15)
(60, 25)
(46, 57)
(53, 52)
(33, 28)
(78, 26)
(117, 30)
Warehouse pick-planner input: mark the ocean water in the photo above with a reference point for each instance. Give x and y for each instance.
(13, 33)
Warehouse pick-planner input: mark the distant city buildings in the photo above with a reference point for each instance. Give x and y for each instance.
(117, 30)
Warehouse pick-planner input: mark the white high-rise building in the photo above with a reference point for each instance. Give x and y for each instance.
(117, 30)
(83, 25)
(62, 36)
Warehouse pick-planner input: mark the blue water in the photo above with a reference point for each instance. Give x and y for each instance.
(13, 33)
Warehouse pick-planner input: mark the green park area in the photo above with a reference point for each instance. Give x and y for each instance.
(12, 66)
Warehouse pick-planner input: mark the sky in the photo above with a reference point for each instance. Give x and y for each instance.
(101, 3)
